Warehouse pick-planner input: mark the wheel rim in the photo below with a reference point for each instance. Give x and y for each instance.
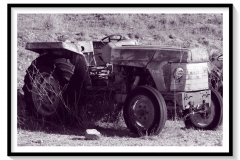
(205, 118)
(142, 111)
(45, 93)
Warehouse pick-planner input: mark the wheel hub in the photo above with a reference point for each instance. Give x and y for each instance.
(204, 115)
(143, 111)
(206, 112)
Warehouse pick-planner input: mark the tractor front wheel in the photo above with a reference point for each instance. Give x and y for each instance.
(211, 118)
(145, 111)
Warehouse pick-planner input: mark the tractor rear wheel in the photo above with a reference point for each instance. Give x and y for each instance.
(45, 83)
(145, 111)
(213, 116)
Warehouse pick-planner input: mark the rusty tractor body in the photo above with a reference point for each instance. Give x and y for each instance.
(143, 80)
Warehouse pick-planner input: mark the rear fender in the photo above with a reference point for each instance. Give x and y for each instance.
(59, 48)
(71, 51)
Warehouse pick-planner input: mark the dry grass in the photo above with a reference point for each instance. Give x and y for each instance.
(32, 133)
(173, 134)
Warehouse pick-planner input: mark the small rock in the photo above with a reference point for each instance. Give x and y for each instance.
(37, 141)
(171, 36)
(92, 134)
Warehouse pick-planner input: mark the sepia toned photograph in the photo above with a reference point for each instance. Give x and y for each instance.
(120, 79)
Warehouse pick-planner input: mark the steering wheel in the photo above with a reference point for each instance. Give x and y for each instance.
(112, 37)
(220, 58)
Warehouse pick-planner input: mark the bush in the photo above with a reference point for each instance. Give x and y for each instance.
(151, 26)
(203, 41)
(52, 22)
(159, 37)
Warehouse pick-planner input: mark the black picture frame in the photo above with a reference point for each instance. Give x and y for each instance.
(174, 153)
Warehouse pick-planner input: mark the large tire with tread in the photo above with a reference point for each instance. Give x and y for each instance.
(145, 111)
(214, 114)
(46, 81)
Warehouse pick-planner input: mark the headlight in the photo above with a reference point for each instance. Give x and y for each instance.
(178, 73)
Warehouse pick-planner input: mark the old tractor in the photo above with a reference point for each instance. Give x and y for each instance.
(72, 78)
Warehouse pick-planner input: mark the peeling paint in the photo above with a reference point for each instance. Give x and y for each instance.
(158, 72)
(131, 57)
(194, 77)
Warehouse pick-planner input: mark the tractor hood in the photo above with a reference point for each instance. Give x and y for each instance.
(143, 54)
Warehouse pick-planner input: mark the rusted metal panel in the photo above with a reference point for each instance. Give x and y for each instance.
(72, 47)
(189, 87)
(176, 56)
(151, 47)
(88, 46)
(126, 42)
(191, 68)
(105, 51)
(170, 54)
(197, 98)
(182, 55)
(194, 77)
(131, 57)
(184, 81)
(182, 99)
(130, 54)
(44, 45)
(160, 74)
